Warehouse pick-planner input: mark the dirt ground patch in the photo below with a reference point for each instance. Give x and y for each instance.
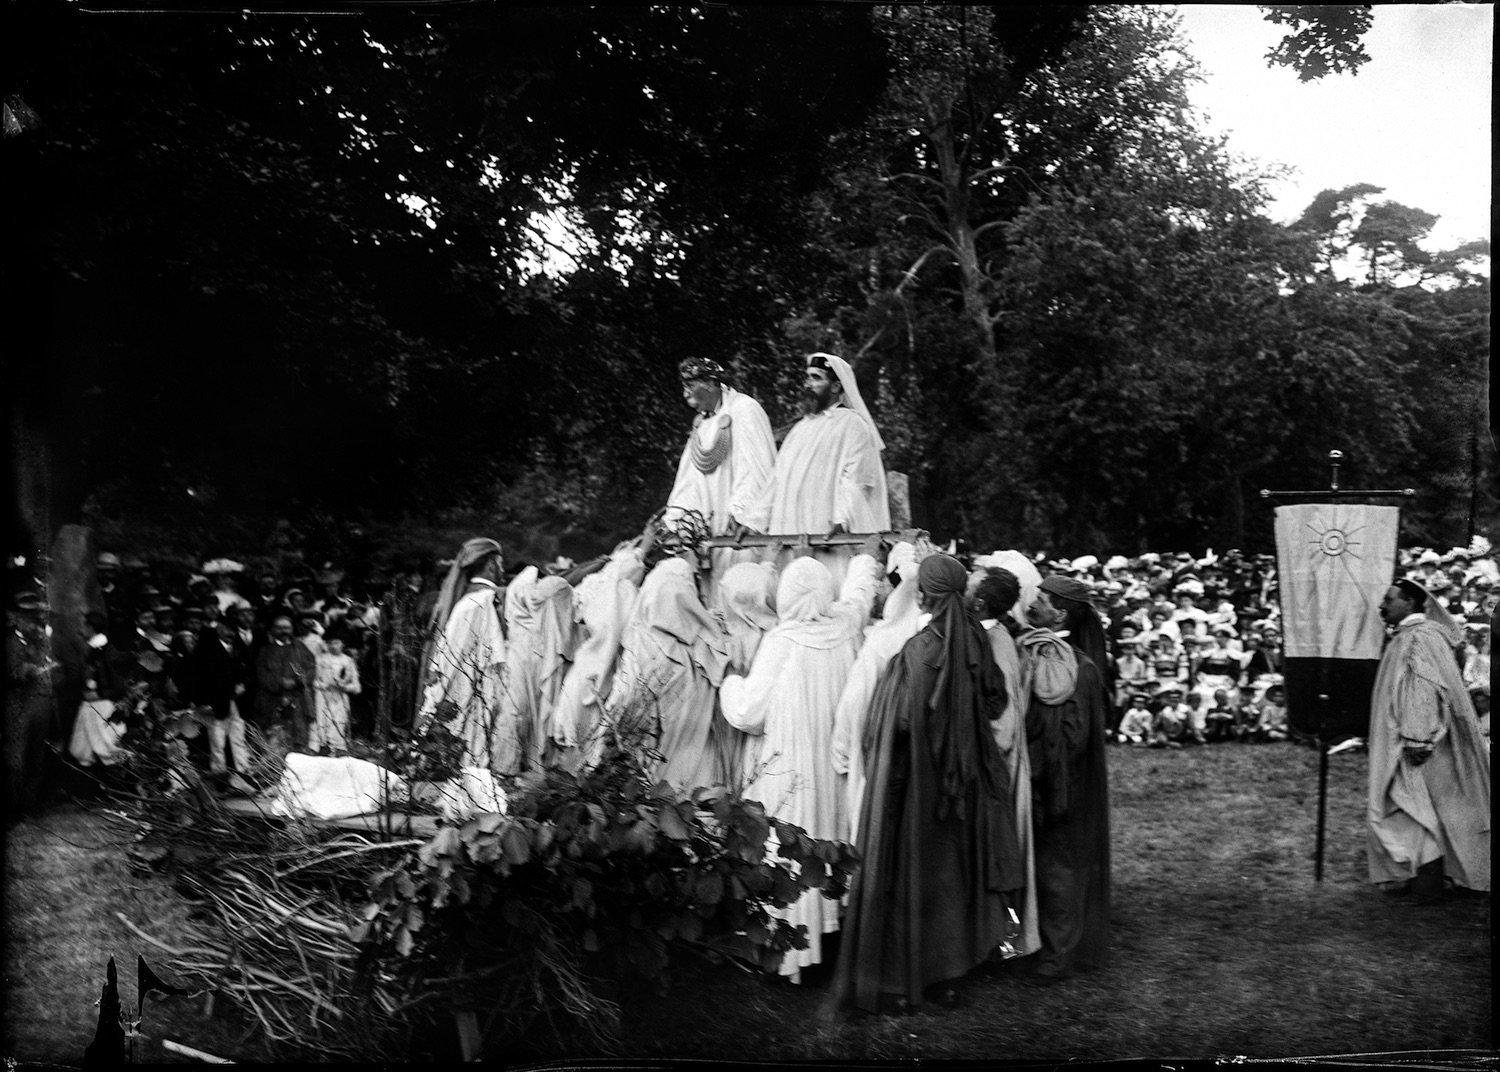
(1222, 946)
(66, 877)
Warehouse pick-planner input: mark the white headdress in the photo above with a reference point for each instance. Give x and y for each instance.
(1026, 573)
(845, 372)
(1437, 612)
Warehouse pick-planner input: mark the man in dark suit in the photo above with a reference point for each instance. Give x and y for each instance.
(217, 688)
(249, 638)
(284, 674)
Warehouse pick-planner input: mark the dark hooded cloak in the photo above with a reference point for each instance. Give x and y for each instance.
(938, 843)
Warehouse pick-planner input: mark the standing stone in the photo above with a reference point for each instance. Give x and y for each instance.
(898, 491)
(72, 591)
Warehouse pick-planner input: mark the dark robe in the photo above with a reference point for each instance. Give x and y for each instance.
(930, 901)
(1070, 817)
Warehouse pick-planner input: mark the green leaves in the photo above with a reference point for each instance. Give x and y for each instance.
(1324, 39)
(710, 888)
(624, 869)
(446, 844)
(516, 844)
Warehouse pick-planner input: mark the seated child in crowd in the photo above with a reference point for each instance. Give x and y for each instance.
(1222, 718)
(1197, 720)
(1170, 724)
(1270, 722)
(1135, 724)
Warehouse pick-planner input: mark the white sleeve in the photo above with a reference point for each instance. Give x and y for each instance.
(745, 700)
(853, 706)
(857, 472)
(857, 599)
(737, 699)
(754, 464)
(684, 494)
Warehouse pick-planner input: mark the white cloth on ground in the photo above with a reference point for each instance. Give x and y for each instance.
(334, 787)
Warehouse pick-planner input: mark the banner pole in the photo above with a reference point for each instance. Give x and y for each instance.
(1325, 695)
(1323, 699)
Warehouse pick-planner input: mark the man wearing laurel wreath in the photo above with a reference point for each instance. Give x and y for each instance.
(726, 464)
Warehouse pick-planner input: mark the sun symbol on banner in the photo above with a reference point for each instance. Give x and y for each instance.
(1334, 542)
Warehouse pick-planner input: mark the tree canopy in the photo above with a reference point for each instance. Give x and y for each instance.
(450, 258)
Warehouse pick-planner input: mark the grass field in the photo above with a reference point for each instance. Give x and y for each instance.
(1222, 945)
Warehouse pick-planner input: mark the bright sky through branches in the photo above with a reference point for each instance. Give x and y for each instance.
(1415, 119)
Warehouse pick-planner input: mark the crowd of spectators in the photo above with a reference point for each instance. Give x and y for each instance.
(1195, 644)
(1195, 647)
(216, 649)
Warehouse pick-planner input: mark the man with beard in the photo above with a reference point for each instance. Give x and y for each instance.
(829, 475)
(1066, 728)
(1429, 798)
(285, 670)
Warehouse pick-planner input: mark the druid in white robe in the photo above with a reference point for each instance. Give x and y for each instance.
(466, 670)
(539, 617)
(725, 472)
(899, 623)
(788, 700)
(726, 464)
(829, 472)
(746, 612)
(1418, 812)
(603, 604)
(671, 662)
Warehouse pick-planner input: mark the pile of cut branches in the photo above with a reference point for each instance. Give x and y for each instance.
(274, 904)
(271, 932)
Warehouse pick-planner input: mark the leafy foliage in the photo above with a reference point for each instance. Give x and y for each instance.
(408, 266)
(513, 917)
(1324, 39)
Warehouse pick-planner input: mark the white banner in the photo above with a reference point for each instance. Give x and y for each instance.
(1334, 562)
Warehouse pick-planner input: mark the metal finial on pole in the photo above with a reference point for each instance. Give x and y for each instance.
(1335, 459)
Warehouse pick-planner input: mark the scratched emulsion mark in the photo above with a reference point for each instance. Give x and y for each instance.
(115, 1029)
